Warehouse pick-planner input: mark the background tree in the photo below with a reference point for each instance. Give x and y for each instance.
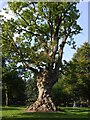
(13, 86)
(36, 38)
(82, 61)
(65, 87)
(31, 90)
(73, 85)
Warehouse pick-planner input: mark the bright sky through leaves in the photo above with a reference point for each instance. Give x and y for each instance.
(83, 21)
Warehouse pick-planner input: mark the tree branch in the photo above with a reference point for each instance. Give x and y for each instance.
(21, 55)
(29, 24)
(58, 21)
(23, 19)
(50, 24)
(35, 34)
(59, 62)
(42, 31)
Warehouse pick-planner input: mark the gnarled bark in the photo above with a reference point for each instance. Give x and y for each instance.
(44, 101)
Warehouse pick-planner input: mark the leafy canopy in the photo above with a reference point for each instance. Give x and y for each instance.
(36, 36)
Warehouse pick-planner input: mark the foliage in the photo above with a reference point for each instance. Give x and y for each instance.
(13, 84)
(37, 34)
(82, 60)
(31, 90)
(74, 83)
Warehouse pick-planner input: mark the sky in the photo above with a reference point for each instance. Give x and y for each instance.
(83, 36)
(82, 21)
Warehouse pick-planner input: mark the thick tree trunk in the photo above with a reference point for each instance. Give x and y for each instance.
(44, 101)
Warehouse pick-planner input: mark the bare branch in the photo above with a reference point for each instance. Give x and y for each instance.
(50, 24)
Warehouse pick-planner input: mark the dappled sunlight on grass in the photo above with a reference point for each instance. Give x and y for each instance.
(18, 113)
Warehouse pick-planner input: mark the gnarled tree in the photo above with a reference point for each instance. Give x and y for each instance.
(36, 38)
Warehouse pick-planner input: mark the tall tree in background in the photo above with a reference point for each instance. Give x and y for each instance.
(13, 86)
(81, 60)
(73, 84)
(31, 90)
(36, 38)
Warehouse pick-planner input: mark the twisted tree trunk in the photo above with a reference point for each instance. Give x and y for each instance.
(44, 101)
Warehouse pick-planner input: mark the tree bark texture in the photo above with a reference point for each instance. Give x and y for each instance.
(44, 101)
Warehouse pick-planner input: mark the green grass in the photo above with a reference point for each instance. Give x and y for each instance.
(19, 113)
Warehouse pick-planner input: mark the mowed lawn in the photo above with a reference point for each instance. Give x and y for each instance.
(19, 113)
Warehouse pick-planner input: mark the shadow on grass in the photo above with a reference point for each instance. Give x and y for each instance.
(65, 114)
(76, 110)
(10, 108)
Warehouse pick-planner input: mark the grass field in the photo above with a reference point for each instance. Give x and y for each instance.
(18, 113)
